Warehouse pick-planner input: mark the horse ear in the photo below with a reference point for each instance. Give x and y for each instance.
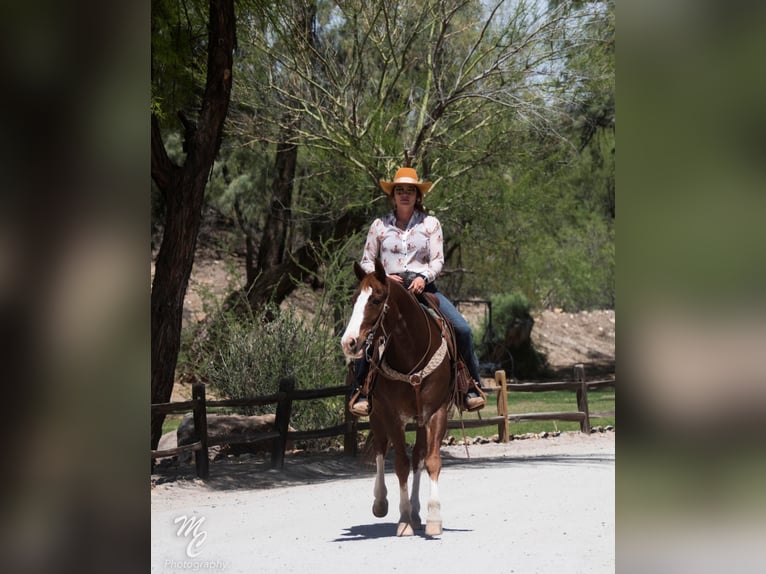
(380, 272)
(358, 271)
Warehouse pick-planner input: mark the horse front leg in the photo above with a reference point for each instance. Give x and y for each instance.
(434, 519)
(418, 463)
(380, 504)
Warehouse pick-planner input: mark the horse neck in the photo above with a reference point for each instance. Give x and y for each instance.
(419, 336)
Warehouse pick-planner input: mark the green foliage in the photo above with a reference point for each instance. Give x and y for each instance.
(512, 119)
(510, 306)
(538, 238)
(179, 33)
(248, 356)
(506, 340)
(506, 308)
(519, 141)
(539, 215)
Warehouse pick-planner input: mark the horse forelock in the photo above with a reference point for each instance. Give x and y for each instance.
(378, 293)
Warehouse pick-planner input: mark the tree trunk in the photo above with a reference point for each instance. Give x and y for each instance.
(278, 282)
(273, 244)
(275, 230)
(184, 190)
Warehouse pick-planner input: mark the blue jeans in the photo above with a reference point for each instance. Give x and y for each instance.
(463, 335)
(463, 339)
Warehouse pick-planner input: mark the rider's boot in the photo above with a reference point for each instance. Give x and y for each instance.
(359, 404)
(475, 399)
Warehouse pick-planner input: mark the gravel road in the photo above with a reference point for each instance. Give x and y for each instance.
(530, 506)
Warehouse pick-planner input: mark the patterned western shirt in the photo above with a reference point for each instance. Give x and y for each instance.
(419, 248)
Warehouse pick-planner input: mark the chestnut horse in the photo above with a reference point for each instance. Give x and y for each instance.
(413, 381)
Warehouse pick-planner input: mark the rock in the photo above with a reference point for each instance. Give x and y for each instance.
(167, 441)
(228, 425)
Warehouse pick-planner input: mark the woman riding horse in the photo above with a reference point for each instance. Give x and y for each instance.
(410, 245)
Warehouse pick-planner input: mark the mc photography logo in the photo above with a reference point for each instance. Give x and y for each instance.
(190, 528)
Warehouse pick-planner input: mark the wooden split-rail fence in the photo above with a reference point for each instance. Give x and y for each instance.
(287, 394)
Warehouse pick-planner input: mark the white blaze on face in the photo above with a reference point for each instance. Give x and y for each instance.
(349, 342)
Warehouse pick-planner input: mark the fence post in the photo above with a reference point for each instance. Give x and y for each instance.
(282, 422)
(502, 405)
(201, 460)
(582, 397)
(349, 438)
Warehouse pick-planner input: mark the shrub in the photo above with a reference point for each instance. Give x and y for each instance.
(506, 308)
(506, 342)
(247, 355)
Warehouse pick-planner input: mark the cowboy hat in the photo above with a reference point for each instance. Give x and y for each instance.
(405, 176)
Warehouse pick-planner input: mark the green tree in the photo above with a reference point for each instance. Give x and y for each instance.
(507, 106)
(548, 200)
(183, 186)
(350, 85)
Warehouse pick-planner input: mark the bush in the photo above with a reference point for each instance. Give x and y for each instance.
(510, 306)
(506, 308)
(507, 342)
(245, 356)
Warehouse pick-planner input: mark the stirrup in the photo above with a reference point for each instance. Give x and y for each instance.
(476, 403)
(472, 404)
(359, 405)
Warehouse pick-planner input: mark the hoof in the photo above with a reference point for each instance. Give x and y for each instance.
(404, 529)
(433, 528)
(380, 509)
(417, 524)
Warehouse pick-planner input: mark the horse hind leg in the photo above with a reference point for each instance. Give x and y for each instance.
(437, 428)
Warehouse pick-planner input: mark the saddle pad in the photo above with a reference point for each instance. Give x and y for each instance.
(431, 311)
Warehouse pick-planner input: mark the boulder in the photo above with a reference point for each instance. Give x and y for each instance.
(230, 425)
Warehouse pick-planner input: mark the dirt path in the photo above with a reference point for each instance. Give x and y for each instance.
(538, 505)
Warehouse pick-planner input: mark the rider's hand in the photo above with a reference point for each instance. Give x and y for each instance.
(417, 285)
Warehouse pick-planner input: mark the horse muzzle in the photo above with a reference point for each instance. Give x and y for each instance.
(352, 347)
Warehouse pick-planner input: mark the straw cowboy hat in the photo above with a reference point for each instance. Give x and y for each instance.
(405, 176)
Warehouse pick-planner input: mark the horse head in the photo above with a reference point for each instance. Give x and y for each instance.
(369, 302)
